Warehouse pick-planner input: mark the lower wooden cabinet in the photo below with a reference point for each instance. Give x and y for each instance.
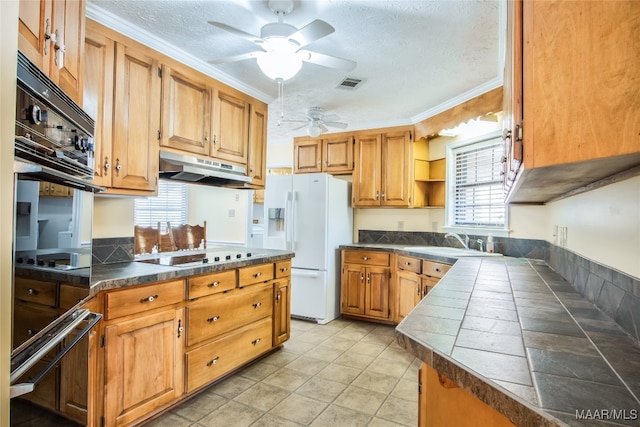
(212, 360)
(440, 401)
(281, 310)
(385, 287)
(365, 287)
(143, 365)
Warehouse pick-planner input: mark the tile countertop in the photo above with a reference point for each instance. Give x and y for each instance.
(520, 338)
(124, 274)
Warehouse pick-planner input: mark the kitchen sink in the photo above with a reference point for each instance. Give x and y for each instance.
(449, 252)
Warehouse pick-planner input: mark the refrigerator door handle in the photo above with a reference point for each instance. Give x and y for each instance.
(287, 221)
(294, 222)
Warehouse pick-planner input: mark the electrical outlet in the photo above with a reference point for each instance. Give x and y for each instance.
(237, 197)
(232, 213)
(434, 226)
(400, 225)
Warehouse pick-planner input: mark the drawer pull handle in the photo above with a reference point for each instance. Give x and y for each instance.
(408, 263)
(213, 284)
(32, 291)
(213, 319)
(150, 298)
(283, 269)
(256, 341)
(213, 361)
(31, 332)
(365, 258)
(258, 274)
(436, 269)
(256, 304)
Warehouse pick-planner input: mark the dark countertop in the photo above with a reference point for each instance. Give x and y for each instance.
(519, 337)
(123, 274)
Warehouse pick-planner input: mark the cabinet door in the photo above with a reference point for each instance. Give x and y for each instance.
(337, 153)
(97, 98)
(143, 366)
(307, 155)
(377, 292)
(352, 289)
(396, 169)
(34, 22)
(231, 118)
(367, 170)
(74, 379)
(409, 292)
(136, 120)
(258, 144)
(512, 99)
(67, 47)
(186, 111)
(281, 311)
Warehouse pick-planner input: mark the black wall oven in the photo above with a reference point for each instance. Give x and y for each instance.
(53, 210)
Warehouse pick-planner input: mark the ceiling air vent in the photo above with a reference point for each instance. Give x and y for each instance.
(350, 83)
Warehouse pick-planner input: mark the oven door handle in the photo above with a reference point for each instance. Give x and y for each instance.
(31, 354)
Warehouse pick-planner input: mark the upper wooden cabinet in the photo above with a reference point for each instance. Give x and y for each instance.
(186, 110)
(123, 90)
(332, 153)
(51, 35)
(382, 172)
(571, 90)
(231, 127)
(257, 156)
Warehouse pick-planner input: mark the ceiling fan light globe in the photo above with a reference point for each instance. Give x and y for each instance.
(314, 130)
(279, 65)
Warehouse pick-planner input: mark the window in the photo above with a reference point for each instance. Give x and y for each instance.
(475, 191)
(169, 205)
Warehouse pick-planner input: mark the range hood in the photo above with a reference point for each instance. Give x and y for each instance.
(182, 167)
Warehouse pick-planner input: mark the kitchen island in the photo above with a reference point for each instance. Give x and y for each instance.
(514, 335)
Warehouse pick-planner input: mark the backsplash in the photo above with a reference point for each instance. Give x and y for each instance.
(111, 250)
(613, 292)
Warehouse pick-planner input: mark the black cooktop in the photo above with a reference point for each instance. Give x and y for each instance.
(195, 259)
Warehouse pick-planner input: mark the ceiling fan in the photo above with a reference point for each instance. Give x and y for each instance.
(316, 122)
(282, 45)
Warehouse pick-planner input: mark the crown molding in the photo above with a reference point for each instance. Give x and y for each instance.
(133, 32)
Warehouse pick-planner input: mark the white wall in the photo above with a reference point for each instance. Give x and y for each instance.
(224, 209)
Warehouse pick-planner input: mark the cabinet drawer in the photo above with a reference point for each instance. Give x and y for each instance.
(366, 258)
(255, 274)
(215, 359)
(143, 298)
(28, 320)
(219, 314)
(35, 291)
(71, 295)
(409, 263)
(213, 283)
(283, 269)
(434, 269)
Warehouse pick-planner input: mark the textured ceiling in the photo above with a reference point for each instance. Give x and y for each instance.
(416, 57)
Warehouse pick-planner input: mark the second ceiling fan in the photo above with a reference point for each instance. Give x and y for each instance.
(282, 45)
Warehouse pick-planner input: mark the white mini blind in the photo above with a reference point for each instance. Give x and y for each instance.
(169, 205)
(478, 192)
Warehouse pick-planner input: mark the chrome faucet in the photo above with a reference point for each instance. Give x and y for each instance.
(465, 242)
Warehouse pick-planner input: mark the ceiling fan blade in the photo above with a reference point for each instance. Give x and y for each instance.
(312, 32)
(236, 58)
(339, 125)
(300, 127)
(292, 121)
(323, 127)
(331, 118)
(237, 32)
(327, 60)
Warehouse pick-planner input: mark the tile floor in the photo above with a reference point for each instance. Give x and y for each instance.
(345, 373)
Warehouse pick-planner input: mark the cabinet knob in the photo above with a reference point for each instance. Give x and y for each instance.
(256, 341)
(278, 296)
(150, 298)
(213, 319)
(32, 291)
(283, 269)
(257, 304)
(506, 133)
(365, 258)
(212, 361)
(31, 332)
(213, 284)
(206, 139)
(377, 195)
(118, 165)
(258, 274)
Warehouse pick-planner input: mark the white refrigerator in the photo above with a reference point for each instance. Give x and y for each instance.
(310, 214)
